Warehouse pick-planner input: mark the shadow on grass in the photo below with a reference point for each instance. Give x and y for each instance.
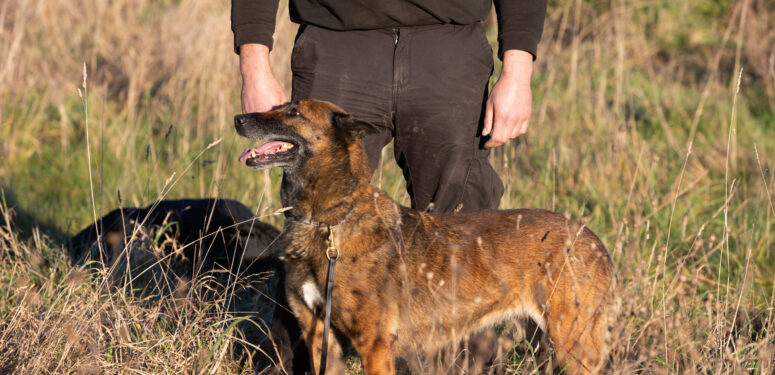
(23, 222)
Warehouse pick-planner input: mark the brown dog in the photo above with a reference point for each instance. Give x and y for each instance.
(409, 281)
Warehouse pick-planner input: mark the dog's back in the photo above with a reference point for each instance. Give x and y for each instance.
(473, 271)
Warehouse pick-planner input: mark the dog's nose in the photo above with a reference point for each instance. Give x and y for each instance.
(240, 120)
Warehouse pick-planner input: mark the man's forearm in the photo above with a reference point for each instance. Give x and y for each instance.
(253, 21)
(520, 25)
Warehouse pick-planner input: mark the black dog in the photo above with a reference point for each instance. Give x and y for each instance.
(197, 236)
(209, 231)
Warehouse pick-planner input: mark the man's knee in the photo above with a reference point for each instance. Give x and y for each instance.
(456, 182)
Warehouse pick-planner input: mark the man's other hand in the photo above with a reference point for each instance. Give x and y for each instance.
(509, 106)
(260, 90)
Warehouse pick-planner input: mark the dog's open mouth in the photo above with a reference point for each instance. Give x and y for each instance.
(267, 152)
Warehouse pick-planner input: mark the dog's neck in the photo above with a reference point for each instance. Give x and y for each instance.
(324, 193)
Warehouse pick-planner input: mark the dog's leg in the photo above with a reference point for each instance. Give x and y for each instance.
(581, 341)
(377, 354)
(312, 329)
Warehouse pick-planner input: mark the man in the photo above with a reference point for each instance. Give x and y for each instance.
(418, 70)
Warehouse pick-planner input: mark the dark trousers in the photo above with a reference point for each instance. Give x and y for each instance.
(425, 87)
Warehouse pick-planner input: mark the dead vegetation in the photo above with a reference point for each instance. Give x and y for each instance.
(644, 128)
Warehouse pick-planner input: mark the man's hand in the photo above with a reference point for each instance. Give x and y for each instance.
(509, 106)
(260, 90)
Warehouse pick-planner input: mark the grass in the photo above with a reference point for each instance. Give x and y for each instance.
(654, 123)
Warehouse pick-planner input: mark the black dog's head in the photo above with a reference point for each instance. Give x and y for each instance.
(296, 132)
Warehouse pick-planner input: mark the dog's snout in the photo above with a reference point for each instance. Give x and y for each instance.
(240, 120)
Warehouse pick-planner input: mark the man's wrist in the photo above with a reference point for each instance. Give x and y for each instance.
(254, 60)
(517, 67)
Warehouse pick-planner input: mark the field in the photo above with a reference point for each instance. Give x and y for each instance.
(653, 122)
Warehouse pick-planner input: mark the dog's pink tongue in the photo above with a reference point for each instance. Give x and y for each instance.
(245, 155)
(266, 148)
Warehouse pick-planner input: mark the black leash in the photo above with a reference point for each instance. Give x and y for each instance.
(332, 253)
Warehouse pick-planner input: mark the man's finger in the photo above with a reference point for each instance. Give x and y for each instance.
(498, 136)
(493, 143)
(488, 115)
(515, 132)
(523, 129)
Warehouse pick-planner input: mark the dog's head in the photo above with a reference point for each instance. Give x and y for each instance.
(301, 133)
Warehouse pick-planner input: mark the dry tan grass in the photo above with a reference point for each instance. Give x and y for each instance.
(637, 130)
(140, 319)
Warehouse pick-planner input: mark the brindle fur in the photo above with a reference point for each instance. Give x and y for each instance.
(409, 280)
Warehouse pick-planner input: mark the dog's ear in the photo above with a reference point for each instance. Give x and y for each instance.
(351, 127)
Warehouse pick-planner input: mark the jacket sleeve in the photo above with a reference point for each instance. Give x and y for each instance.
(253, 21)
(520, 24)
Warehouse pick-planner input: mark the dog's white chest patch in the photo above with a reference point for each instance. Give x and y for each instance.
(311, 295)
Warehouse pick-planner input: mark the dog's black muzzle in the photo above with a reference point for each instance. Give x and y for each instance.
(240, 123)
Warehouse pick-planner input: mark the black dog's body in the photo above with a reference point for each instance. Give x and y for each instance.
(193, 238)
(210, 231)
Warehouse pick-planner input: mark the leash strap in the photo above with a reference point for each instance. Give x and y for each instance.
(332, 253)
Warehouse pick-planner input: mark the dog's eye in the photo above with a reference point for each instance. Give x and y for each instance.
(293, 112)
